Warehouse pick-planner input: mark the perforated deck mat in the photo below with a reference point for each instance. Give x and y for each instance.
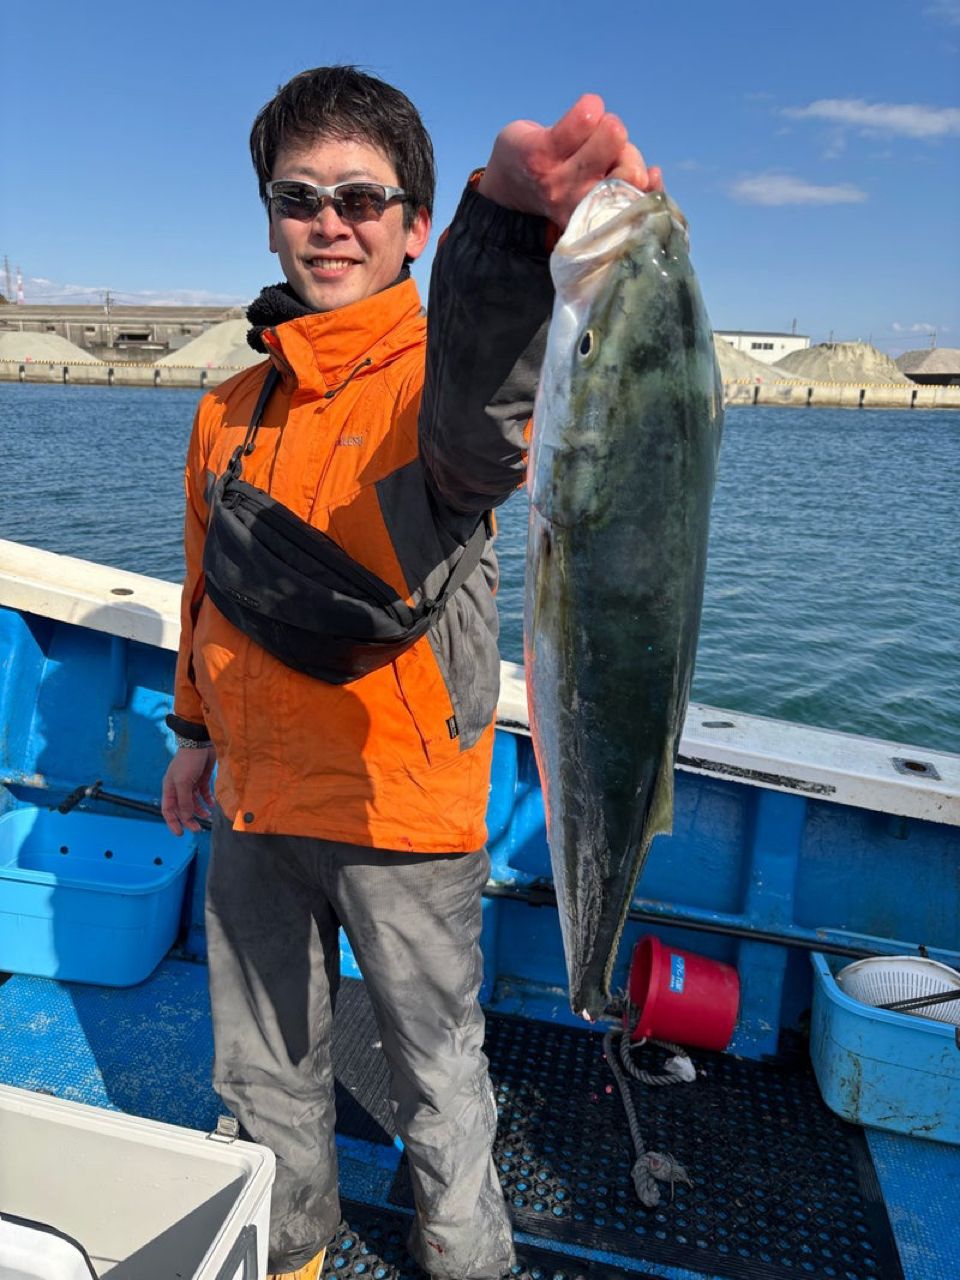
(781, 1186)
(372, 1243)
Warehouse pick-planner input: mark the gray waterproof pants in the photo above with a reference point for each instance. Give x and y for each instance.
(274, 906)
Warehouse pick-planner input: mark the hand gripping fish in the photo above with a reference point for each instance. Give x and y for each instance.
(626, 432)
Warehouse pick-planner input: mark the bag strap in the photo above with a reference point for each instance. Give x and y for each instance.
(468, 560)
(233, 469)
(266, 391)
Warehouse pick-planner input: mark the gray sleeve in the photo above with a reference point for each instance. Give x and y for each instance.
(490, 302)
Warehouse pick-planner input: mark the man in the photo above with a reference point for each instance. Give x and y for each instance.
(356, 797)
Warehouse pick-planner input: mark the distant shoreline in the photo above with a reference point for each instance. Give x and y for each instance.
(796, 393)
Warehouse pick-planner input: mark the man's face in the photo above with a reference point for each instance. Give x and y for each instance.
(328, 262)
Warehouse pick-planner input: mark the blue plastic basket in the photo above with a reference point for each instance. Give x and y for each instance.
(87, 897)
(884, 1069)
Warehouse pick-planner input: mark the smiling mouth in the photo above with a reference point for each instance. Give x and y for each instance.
(329, 264)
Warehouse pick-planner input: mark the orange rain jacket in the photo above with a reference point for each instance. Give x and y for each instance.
(397, 474)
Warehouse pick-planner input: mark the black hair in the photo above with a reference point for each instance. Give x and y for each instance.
(345, 103)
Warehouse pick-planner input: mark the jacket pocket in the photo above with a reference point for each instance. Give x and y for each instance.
(426, 697)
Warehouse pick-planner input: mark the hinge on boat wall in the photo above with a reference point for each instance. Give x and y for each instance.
(227, 1130)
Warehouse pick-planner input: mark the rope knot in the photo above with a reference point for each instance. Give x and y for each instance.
(655, 1167)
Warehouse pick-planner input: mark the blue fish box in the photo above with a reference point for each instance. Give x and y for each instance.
(884, 1069)
(88, 898)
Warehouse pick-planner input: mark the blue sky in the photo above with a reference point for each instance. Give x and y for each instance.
(815, 148)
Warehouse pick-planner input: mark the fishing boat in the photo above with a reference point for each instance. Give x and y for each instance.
(822, 1141)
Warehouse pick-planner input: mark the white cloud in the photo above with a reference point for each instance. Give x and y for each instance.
(907, 119)
(35, 286)
(41, 290)
(947, 10)
(836, 145)
(922, 327)
(783, 188)
(183, 298)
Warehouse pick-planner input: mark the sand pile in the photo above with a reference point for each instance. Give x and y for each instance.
(41, 348)
(931, 362)
(241, 356)
(224, 346)
(736, 366)
(857, 362)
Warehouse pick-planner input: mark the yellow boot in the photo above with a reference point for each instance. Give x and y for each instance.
(309, 1271)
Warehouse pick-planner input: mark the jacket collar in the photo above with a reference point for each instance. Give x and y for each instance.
(319, 351)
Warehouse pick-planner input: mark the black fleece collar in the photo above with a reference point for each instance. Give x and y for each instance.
(277, 303)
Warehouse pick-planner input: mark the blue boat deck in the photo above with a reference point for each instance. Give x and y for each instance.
(146, 1050)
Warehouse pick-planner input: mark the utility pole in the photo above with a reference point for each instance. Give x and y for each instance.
(106, 307)
(6, 275)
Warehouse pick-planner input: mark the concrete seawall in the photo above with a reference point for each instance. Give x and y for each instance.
(92, 373)
(799, 394)
(841, 395)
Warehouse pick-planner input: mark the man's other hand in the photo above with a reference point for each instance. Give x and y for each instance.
(186, 788)
(548, 170)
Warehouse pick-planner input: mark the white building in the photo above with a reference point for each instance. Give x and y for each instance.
(768, 347)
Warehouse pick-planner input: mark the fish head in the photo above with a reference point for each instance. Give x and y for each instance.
(616, 270)
(608, 224)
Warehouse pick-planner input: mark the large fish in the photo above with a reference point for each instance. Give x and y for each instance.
(626, 432)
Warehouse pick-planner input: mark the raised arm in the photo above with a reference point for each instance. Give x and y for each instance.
(491, 296)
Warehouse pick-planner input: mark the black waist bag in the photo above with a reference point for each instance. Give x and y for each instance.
(298, 594)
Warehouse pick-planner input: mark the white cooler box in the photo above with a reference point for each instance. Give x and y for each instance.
(143, 1200)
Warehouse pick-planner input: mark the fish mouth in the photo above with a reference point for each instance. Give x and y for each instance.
(609, 215)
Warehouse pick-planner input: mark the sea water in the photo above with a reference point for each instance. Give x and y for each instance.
(833, 586)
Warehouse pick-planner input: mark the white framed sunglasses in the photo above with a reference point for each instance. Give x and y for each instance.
(353, 201)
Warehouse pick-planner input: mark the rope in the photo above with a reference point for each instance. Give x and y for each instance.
(676, 1070)
(650, 1168)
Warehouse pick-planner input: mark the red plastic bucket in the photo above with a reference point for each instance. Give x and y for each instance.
(676, 995)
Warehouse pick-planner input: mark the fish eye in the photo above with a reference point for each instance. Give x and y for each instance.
(586, 343)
